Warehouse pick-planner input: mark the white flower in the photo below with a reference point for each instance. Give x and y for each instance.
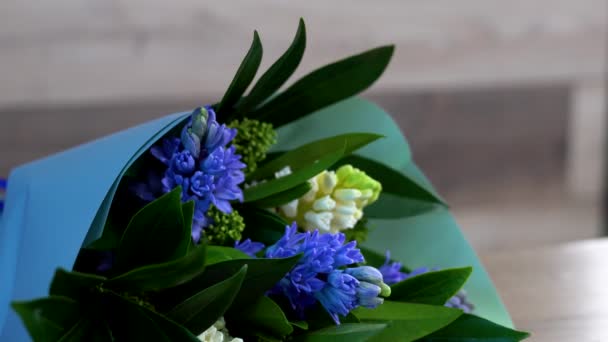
(335, 200)
(218, 333)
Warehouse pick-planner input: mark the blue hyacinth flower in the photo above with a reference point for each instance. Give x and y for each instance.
(209, 171)
(320, 276)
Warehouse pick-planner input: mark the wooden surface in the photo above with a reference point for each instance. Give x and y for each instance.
(558, 293)
(75, 51)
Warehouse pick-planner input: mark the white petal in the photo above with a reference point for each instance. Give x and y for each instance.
(347, 194)
(327, 182)
(324, 203)
(347, 208)
(220, 323)
(344, 221)
(312, 193)
(290, 209)
(321, 221)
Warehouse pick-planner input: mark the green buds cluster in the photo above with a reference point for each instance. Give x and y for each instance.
(226, 228)
(253, 141)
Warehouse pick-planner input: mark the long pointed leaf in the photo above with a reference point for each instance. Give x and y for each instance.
(200, 311)
(284, 196)
(325, 86)
(408, 321)
(432, 287)
(308, 153)
(264, 316)
(344, 333)
(278, 73)
(162, 276)
(47, 319)
(470, 328)
(74, 285)
(155, 234)
(278, 185)
(244, 75)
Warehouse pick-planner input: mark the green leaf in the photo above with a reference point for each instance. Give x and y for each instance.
(325, 86)
(186, 245)
(310, 152)
(284, 197)
(217, 254)
(299, 324)
(100, 332)
(262, 225)
(389, 206)
(277, 74)
(265, 316)
(48, 319)
(262, 275)
(78, 331)
(348, 332)
(408, 321)
(155, 234)
(470, 328)
(109, 240)
(431, 288)
(141, 324)
(74, 285)
(200, 311)
(318, 318)
(244, 75)
(299, 176)
(162, 276)
(393, 181)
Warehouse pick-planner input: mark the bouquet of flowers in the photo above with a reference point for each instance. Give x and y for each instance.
(267, 216)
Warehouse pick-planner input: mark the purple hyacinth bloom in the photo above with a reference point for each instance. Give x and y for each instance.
(208, 171)
(3, 184)
(249, 247)
(166, 150)
(318, 276)
(339, 295)
(367, 295)
(172, 180)
(391, 271)
(460, 301)
(183, 163)
(217, 135)
(201, 184)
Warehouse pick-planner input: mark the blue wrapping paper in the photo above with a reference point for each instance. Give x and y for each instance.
(57, 204)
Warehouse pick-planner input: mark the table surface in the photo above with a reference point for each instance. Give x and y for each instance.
(558, 293)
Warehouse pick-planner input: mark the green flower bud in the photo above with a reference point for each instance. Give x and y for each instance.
(226, 228)
(253, 140)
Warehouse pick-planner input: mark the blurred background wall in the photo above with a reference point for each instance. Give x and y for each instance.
(502, 101)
